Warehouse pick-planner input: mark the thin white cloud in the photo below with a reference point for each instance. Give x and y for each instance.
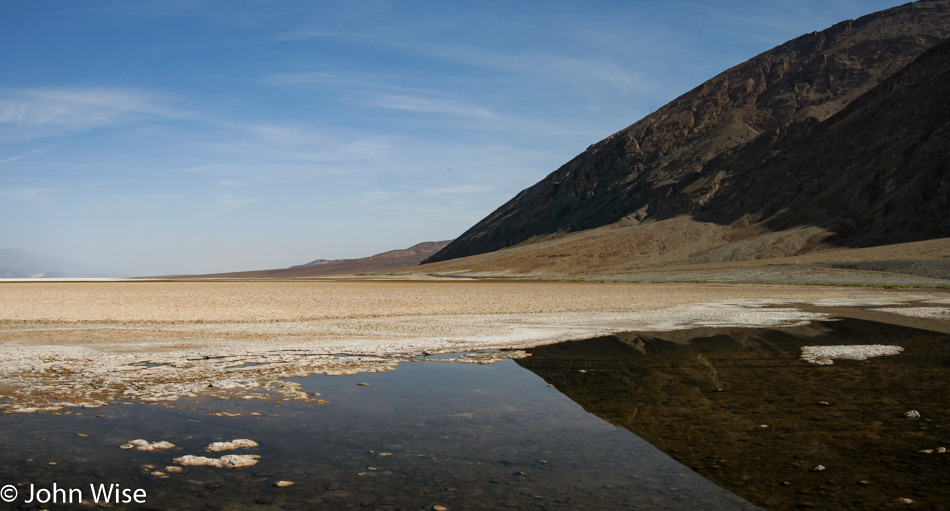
(368, 197)
(230, 200)
(590, 71)
(76, 109)
(21, 156)
(457, 190)
(106, 183)
(25, 193)
(428, 105)
(305, 35)
(217, 166)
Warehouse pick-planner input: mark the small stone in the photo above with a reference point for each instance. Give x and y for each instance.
(941, 450)
(439, 508)
(763, 426)
(824, 403)
(385, 454)
(925, 451)
(53, 463)
(322, 402)
(818, 468)
(905, 501)
(582, 371)
(159, 474)
(173, 469)
(255, 414)
(912, 414)
(786, 483)
(126, 447)
(83, 435)
(865, 482)
(283, 484)
(316, 394)
(361, 384)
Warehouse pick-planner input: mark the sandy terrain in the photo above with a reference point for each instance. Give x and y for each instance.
(93, 343)
(685, 250)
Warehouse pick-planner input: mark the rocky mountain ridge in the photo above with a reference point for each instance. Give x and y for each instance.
(715, 153)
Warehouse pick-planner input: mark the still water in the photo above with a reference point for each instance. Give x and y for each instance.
(596, 424)
(743, 409)
(428, 435)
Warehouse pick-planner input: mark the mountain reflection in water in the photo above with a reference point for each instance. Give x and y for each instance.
(741, 408)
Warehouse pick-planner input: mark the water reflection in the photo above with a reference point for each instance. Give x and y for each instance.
(428, 434)
(739, 407)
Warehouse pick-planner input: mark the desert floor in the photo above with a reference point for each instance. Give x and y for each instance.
(88, 344)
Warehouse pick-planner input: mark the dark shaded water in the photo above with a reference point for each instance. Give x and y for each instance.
(428, 434)
(742, 409)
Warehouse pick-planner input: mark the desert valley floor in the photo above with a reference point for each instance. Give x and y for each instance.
(283, 362)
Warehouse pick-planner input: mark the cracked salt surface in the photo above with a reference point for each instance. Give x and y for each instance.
(918, 312)
(251, 360)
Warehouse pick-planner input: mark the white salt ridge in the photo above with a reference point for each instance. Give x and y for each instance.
(238, 443)
(144, 445)
(226, 461)
(825, 355)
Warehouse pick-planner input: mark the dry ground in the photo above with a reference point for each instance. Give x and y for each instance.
(91, 343)
(682, 249)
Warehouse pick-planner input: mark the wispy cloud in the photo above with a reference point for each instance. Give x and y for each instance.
(75, 109)
(107, 183)
(307, 34)
(368, 197)
(21, 156)
(457, 190)
(230, 200)
(428, 105)
(217, 166)
(25, 193)
(589, 71)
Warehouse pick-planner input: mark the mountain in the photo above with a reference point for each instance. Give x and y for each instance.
(317, 262)
(386, 261)
(823, 141)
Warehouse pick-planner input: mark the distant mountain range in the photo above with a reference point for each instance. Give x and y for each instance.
(391, 260)
(836, 138)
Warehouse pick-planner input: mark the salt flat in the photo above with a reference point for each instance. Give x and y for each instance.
(91, 343)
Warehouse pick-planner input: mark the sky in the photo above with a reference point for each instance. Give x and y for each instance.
(155, 137)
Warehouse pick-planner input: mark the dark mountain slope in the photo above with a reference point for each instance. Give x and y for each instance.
(658, 168)
(876, 173)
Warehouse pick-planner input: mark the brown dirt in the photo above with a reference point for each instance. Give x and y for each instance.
(683, 249)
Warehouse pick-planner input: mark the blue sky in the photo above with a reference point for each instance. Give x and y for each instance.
(158, 137)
